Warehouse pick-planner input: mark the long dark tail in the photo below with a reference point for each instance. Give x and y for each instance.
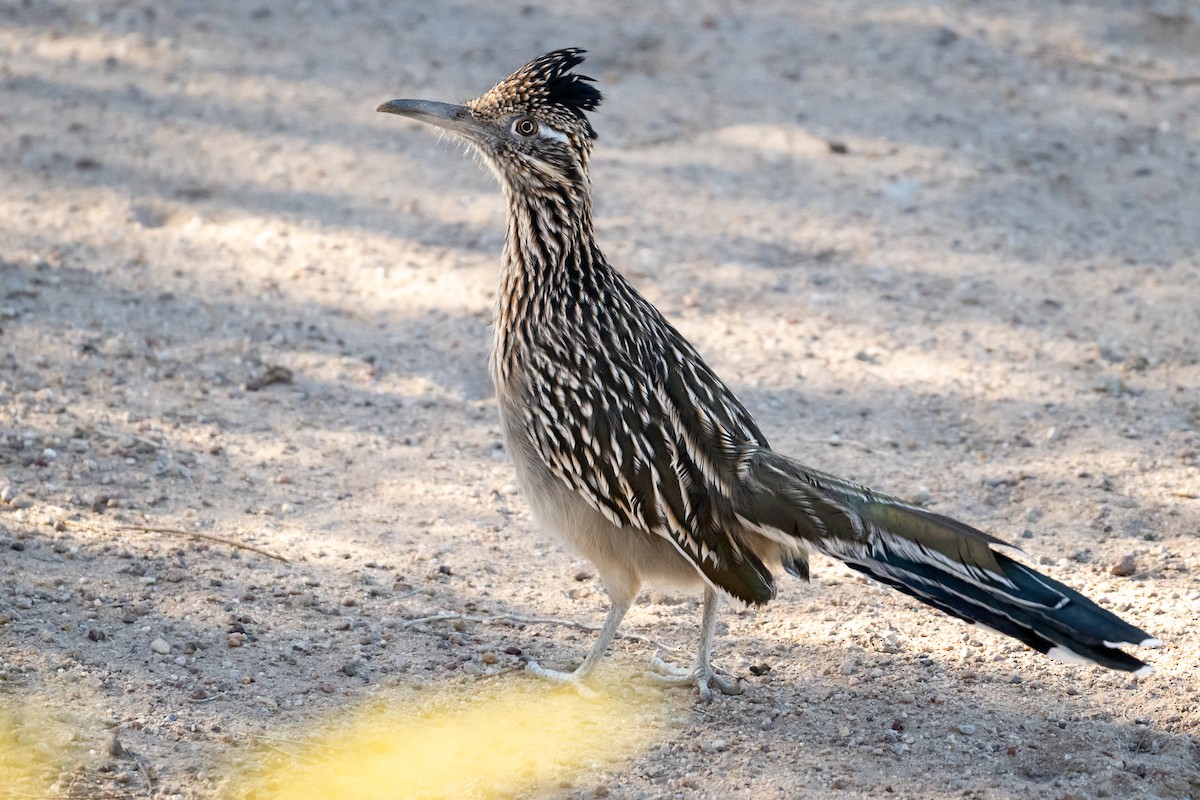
(940, 561)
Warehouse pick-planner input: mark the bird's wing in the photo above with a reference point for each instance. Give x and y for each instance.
(649, 436)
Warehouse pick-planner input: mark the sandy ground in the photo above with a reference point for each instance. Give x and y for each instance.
(948, 251)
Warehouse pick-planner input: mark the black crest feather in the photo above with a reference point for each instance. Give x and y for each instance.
(564, 88)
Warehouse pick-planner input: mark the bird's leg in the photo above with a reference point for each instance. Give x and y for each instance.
(616, 613)
(701, 674)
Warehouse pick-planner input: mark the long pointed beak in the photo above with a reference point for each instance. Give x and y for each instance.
(444, 115)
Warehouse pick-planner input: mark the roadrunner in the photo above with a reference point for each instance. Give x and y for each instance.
(631, 450)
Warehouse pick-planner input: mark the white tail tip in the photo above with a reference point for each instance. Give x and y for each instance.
(1143, 643)
(1059, 653)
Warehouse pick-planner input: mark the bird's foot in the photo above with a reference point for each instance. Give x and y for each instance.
(701, 675)
(573, 679)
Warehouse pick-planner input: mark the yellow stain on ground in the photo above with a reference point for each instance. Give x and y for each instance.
(480, 740)
(32, 744)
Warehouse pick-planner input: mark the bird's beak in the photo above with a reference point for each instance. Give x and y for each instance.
(444, 115)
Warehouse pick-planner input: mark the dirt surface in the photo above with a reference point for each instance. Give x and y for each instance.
(950, 252)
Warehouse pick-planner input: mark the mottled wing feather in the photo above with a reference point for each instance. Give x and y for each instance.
(630, 418)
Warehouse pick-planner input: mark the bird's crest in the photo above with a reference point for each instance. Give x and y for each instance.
(545, 86)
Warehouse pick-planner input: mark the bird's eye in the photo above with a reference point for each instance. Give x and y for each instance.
(525, 127)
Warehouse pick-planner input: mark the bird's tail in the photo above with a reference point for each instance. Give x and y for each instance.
(940, 561)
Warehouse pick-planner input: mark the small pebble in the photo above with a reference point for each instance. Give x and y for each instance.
(922, 496)
(965, 728)
(1125, 566)
(889, 643)
(160, 646)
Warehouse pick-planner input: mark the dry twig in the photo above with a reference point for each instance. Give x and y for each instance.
(517, 619)
(208, 537)
(209, 699)
(107, 434)
(838, 441)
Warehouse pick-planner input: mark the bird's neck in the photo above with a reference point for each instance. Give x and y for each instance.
(551, 265)
(549, 236)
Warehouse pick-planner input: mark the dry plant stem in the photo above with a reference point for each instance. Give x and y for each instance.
(208, 537)
(145, 773)
(522, 620)
(837, 442)
(275, 741)
(1141, 77)
(208, 699)
(107, 434)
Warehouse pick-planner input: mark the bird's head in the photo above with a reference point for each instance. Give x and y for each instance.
(530, 128)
